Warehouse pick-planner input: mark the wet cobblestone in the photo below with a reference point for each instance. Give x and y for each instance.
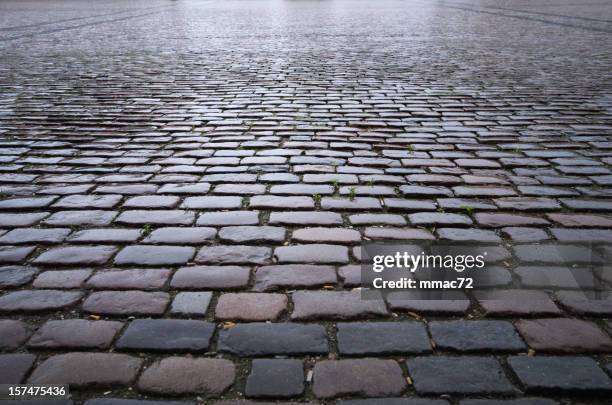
(188, 183)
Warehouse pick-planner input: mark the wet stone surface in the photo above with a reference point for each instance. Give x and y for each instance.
(185, 186)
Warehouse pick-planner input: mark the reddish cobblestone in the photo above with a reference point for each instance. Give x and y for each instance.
(190, 183)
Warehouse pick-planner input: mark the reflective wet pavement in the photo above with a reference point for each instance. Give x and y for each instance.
(185, 186)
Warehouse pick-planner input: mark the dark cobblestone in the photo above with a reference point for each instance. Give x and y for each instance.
(458, 375)
(166, 335)
(176, 159)
(560, 374)
(281, 378)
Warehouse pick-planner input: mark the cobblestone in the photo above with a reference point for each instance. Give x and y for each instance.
(87, 370)
(189, 183)
(364, 377)
(166, 335)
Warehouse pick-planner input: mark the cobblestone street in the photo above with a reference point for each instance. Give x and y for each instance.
(185, 186)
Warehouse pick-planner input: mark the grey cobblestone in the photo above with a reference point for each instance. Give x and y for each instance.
(204, 173)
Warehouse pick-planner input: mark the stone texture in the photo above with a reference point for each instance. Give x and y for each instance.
(360, 377)
(234, 254)
(14, 367)
(312, 253)
(166, 335)
(38, 301)
(191, 303)
(126, 303)
(250, 306)
(564, 335)
(15, 276)
(83, 255)
(264, 339)
(61, 279)
(138, 279)
(87, 370)
(280, 378)
(382, 338)
(211, 277)
(560, 374)
(154, 255)
(271, 278)
(467, 336)
(183, 376)
(458, 375)
(75, 334)
(13, 334)
(340, 305)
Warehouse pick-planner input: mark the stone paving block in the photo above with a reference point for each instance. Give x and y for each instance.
(14, 367)
(524, 234)
(13, 334)
(278, 378)
(377, 219)
(341, 305)
(34, 235)
(582, 235)
(454, 302)
(88, 201)
(382, 338)
(139, 279)
(312, 253)
(61, 279)
(154, 255)
(398, 233)
(151, 201)
(516, 303)
(21, 220)
(252, 234)
(81, 218)
(305, 218)
(281, 202)
(26, 203)
(15, 276)
(564, 335)
(271, 278)
(75, 334)
(468, 235)
(228, 218)
(166, 335)
(467, 336)
(15, 254)
(38, 300)
(495, 220)
(191, 303)
(560, 374)
(126, 303)
(158, 217)
(183, 376)
(250, 306)
(105, 235)
(211, 277)
(234, 254)
(439, 219)
(359, 377)
(527, 203)
(323, 235)
(466, 375)
(83, 370)
(265, 339)
(181, 235)
(82, 255)
(357, 203)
